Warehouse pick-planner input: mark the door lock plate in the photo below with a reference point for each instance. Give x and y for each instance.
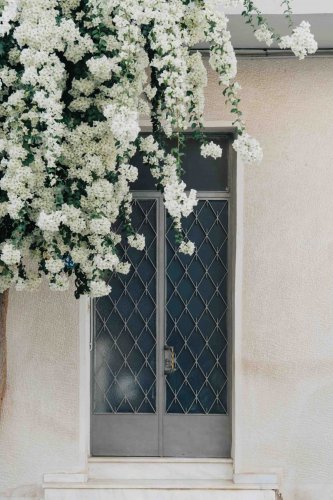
(170, 365)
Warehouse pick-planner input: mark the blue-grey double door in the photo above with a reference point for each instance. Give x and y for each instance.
(160, 366)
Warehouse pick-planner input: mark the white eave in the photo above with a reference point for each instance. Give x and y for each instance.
(321, 27)
(318, 12)
(298, 6)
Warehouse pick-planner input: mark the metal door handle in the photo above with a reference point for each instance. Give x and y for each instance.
(169, 360)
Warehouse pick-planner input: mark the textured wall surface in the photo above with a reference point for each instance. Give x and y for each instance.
(39, 424)
(285, 420)
(287, 347)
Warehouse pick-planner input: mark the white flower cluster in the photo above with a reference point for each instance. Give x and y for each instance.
(54, 266)
(10, 255)
(301, 42)
(264, 34)
(101, 67)
(169, 43)
(178, 203)
(249, 149)
(211, 150)
(61, 167)
(124, 123)
(99, 288)
(197, 77)
(49, 222)
(74, 79)
(107, 262)
(8, 15)
(137, 241)
(187, 247)
(222, 55)
(100, 225)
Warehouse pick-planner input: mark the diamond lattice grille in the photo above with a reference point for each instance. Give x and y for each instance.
(125, 328)
(197, 305)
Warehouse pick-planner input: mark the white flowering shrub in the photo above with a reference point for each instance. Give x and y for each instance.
(75, 75)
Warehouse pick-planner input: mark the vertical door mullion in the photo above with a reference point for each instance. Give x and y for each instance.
(160, 310)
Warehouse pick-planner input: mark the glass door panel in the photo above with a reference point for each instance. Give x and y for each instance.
(197, 306)
(124, 355)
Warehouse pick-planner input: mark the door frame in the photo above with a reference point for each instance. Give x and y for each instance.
(236, 269)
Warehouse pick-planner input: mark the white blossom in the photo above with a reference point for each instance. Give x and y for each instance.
(198, 80)
(129, 172)
(73, 83)
(49, 222)
(100, 225)
(124, 122)
(98, 288)
(248, 148)
(211, 149)
(222, 55)
(177, 202)
(264, 34)
(301, 42)
(137, 241)
(73, 218)
(54, 266)
(187, 247)
(101, 67)
(109, 261)
(8, 15)
(123, 267)
(10, 255)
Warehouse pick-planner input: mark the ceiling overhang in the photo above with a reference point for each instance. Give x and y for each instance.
(298, 7)
(321, 27)
(319, 13)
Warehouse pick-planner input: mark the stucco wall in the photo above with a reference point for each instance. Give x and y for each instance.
(285, 421)
(287, 347)
(39, 424)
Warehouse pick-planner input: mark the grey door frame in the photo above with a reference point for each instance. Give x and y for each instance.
(235, 187)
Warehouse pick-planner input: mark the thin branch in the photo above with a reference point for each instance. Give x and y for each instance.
(288, 12)
(255, 18)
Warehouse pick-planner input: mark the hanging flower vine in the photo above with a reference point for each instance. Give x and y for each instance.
(75, 75)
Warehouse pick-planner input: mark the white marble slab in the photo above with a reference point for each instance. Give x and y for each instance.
(254, 478)
(143, 494)
(160, 469)
(65, 478)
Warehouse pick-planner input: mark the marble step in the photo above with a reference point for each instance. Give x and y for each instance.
(157, 489)
(159, 468)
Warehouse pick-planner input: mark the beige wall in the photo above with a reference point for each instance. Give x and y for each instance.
(39, 424)
(286, 416)
(287, 349)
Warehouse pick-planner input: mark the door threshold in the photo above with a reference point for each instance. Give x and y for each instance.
(157, 468)
(159, 460)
